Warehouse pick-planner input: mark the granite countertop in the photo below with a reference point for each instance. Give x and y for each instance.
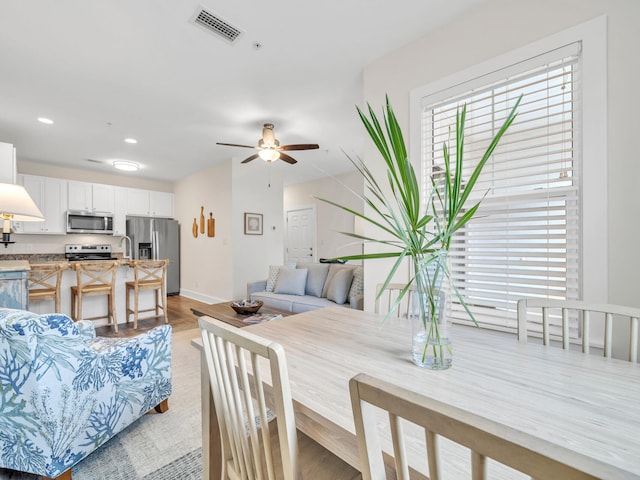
(34, 258)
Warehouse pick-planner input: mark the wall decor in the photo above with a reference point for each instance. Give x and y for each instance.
(202, 219)
(253, 224)
(194, 229)
(211, 225)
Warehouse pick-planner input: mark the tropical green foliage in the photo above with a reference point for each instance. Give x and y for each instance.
(410, 231)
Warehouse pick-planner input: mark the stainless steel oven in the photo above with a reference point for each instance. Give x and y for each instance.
(89, 222)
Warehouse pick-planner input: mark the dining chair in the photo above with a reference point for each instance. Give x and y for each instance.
(44, 282)
(148, 275)
(545, 309)
(95, 278)
(486, 439)
(254, 445)
(388, 299)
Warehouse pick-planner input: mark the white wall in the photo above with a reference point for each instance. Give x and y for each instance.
(330, 221)
(499, 26)
(217, 269)
(206, 265)
(257, 188)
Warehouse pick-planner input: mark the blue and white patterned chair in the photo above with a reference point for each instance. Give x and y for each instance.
(64, 391)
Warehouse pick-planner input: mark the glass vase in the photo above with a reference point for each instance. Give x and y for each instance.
(431, 345)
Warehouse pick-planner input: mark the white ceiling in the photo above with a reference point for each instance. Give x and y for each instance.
(104, 70)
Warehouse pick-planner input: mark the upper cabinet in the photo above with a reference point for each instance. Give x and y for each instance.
(7, 163)
(149, 203)
(120, 211)
(91, 197)
(50, 195)
(161, 204)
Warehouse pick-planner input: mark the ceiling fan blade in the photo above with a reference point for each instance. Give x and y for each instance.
(252, 157)
(300, 146)
(287, 158)
(234, 145)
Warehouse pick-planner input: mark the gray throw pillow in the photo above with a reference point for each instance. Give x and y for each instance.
(291, 281)
(333, 269)
(316, 278)
(357, 286)
(274, 270)
(339, 287)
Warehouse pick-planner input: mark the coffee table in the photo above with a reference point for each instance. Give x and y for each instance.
(224, 312)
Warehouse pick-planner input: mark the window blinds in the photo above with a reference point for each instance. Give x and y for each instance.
(523, 241)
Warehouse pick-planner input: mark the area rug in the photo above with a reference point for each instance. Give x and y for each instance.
(165, 446)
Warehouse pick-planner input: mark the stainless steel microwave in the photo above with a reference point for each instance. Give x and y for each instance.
(89, 222)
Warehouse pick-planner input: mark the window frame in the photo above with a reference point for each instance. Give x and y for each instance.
(593, 199)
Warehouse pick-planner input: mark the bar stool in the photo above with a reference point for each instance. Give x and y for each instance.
(44, 282)
(147, 275)
(95, 278)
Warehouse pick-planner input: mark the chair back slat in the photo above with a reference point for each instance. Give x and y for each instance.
(485, 438)
(239, 363)
(583, 312)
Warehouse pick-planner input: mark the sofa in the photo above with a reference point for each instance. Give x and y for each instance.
(309, 286)
(64, 392)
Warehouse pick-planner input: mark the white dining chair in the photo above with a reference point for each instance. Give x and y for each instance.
(254, 445)
(544, 309)
(387, 297)
(485, 438)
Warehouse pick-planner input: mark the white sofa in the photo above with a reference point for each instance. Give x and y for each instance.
(310, 286)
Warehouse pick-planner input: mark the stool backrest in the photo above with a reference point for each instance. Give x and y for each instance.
(45, 276)
(149, 271)
(91, 274)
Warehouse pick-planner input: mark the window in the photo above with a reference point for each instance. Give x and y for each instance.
(524, 240)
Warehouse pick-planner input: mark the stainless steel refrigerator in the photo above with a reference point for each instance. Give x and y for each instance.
(157, 239)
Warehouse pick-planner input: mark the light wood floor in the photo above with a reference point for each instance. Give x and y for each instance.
(178, 310)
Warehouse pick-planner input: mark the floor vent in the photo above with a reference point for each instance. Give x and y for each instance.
(214, 24)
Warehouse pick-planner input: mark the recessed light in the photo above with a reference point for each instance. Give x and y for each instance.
(126, 165)
(45, 120)
(131, 140)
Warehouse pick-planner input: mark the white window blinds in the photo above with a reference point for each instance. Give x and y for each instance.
(523, 241)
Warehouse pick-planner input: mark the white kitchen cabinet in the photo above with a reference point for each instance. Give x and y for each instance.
(50, 195)
(149, 203)
(7, 163)
(161, 204)
(91, 197)
(137, 202)
(120, 211)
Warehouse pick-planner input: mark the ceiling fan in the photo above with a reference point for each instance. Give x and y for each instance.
(270, 149)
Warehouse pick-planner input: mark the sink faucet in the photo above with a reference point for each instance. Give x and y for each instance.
(127, 253)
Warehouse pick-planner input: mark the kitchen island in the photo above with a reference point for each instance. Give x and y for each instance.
(92, 306)
(13, 283)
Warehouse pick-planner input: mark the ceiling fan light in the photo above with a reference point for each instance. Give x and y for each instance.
(269, 155)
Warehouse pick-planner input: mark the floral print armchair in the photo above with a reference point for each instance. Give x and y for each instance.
(64, 391)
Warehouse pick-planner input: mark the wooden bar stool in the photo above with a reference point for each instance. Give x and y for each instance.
(44, 282)
(95, 278)
(147, 275)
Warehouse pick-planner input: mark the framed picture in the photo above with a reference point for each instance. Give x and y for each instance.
(253, 224)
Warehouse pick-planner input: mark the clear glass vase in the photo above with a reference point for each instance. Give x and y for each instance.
(431, 345)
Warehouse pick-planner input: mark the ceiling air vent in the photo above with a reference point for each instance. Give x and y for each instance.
(214, 24)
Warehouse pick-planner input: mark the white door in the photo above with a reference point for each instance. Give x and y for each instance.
(301, 235)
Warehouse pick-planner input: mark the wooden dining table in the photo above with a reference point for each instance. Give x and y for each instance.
(582, 402)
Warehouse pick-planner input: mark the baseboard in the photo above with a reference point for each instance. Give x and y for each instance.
(200, 297)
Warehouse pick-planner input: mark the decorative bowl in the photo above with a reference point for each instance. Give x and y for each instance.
(245, 307)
